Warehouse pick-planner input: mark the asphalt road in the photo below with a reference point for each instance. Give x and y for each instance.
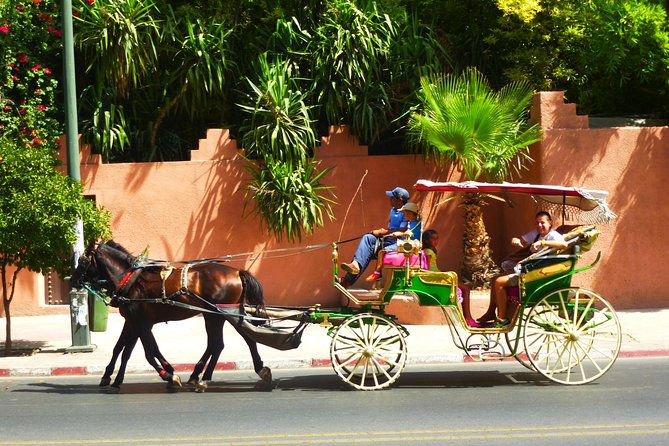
(473, 404)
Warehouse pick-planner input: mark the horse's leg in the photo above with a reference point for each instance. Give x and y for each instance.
(265, 373)
(130, 342)
(151, 352)
(214, 326)
(118, 348)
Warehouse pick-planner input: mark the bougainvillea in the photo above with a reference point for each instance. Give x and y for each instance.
(30, 51)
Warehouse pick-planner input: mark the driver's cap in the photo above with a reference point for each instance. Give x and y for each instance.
(399, 193)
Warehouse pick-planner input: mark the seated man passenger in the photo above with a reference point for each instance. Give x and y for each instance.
(369, 244)
(410, 211)
(541, 237)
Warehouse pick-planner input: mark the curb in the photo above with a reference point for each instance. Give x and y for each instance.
(275, 364)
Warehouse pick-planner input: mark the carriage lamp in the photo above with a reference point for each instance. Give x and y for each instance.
(409, 246)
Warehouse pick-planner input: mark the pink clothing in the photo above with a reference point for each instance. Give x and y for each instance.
(394, 258)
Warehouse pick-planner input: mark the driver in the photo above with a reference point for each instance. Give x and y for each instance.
(370, 243)
(541, 237)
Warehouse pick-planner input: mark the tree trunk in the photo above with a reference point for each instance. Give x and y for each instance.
(477, 265)
(5, 305)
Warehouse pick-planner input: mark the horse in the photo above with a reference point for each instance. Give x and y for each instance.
(153, 292)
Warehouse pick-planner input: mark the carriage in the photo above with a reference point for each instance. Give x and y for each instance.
(568, 334)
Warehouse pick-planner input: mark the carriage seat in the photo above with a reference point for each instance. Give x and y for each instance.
(552, 261)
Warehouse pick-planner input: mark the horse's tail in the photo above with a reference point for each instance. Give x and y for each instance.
(252, 291)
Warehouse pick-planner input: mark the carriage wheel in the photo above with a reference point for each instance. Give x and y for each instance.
(368, 351)
(572, 336)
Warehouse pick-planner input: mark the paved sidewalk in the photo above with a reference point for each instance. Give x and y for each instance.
(644, 334)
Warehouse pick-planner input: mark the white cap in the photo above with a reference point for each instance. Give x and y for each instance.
(410, 207)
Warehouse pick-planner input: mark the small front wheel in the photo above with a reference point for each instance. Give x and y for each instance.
(368, 351)
(572, 336)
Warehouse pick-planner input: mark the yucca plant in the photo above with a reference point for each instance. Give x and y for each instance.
(290, 200)
(279, 137)
(280, 127)
(119, 38)
(462, 119)
(350, 48)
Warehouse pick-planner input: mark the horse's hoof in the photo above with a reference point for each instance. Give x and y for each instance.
(265, 374)
(114, 389)
(176, 380)
(201, 386)
(104, 382)
(192, 382)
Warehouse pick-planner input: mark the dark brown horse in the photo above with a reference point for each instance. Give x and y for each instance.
(149, 292)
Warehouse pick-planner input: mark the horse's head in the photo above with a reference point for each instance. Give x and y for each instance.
(102, 265)
(85, 269)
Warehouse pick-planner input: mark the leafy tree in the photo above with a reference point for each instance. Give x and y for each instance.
(38, 210)
(38, 205)
(461, 119)
(609, 56)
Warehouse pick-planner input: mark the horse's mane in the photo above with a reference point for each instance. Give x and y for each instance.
(118, 247)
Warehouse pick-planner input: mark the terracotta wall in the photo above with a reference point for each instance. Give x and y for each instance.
(193, 209)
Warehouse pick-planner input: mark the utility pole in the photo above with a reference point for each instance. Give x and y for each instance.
(81, 335)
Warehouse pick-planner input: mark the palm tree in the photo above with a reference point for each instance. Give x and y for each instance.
(461, 119)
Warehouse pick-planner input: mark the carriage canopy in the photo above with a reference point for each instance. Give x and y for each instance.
(588, 205)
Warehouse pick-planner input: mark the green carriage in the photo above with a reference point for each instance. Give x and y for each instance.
(568, 334)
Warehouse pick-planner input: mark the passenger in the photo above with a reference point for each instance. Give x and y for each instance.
(410, 211)
(370, 243)
(541, 237)
(430, 240)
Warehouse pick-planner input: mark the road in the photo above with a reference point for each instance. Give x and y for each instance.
(473, 404)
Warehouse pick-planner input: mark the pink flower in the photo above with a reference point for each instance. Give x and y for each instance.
(36, 141)
(38, 91)
(14, 78)
(36, 67)
(41, 107)
(47, 71)
(22, 110)
(76, 13)
(57, 33)
(7, 107)
(19, 8)
(37, 2)
(90, 2)
(4, 29)
(24, 58)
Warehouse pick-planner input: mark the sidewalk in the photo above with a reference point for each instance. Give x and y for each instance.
(183, 342)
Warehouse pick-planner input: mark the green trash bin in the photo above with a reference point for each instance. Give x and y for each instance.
(98, 313)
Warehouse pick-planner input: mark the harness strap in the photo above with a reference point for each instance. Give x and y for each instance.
(164, 274)
(184, 277)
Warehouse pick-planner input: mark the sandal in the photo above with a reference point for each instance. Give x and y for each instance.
(350, 268)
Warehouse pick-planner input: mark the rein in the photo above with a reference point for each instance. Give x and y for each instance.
(250, 255)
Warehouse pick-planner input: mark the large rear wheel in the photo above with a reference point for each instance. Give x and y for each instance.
(368, 351)
(572, 336)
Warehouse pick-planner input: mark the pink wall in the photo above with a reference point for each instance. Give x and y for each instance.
(193, 209)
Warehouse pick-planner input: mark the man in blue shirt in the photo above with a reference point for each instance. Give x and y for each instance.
(370, 244)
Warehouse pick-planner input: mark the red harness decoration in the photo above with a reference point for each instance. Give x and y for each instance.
(125, 279)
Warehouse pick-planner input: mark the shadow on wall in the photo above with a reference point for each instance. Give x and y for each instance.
(640, 238)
